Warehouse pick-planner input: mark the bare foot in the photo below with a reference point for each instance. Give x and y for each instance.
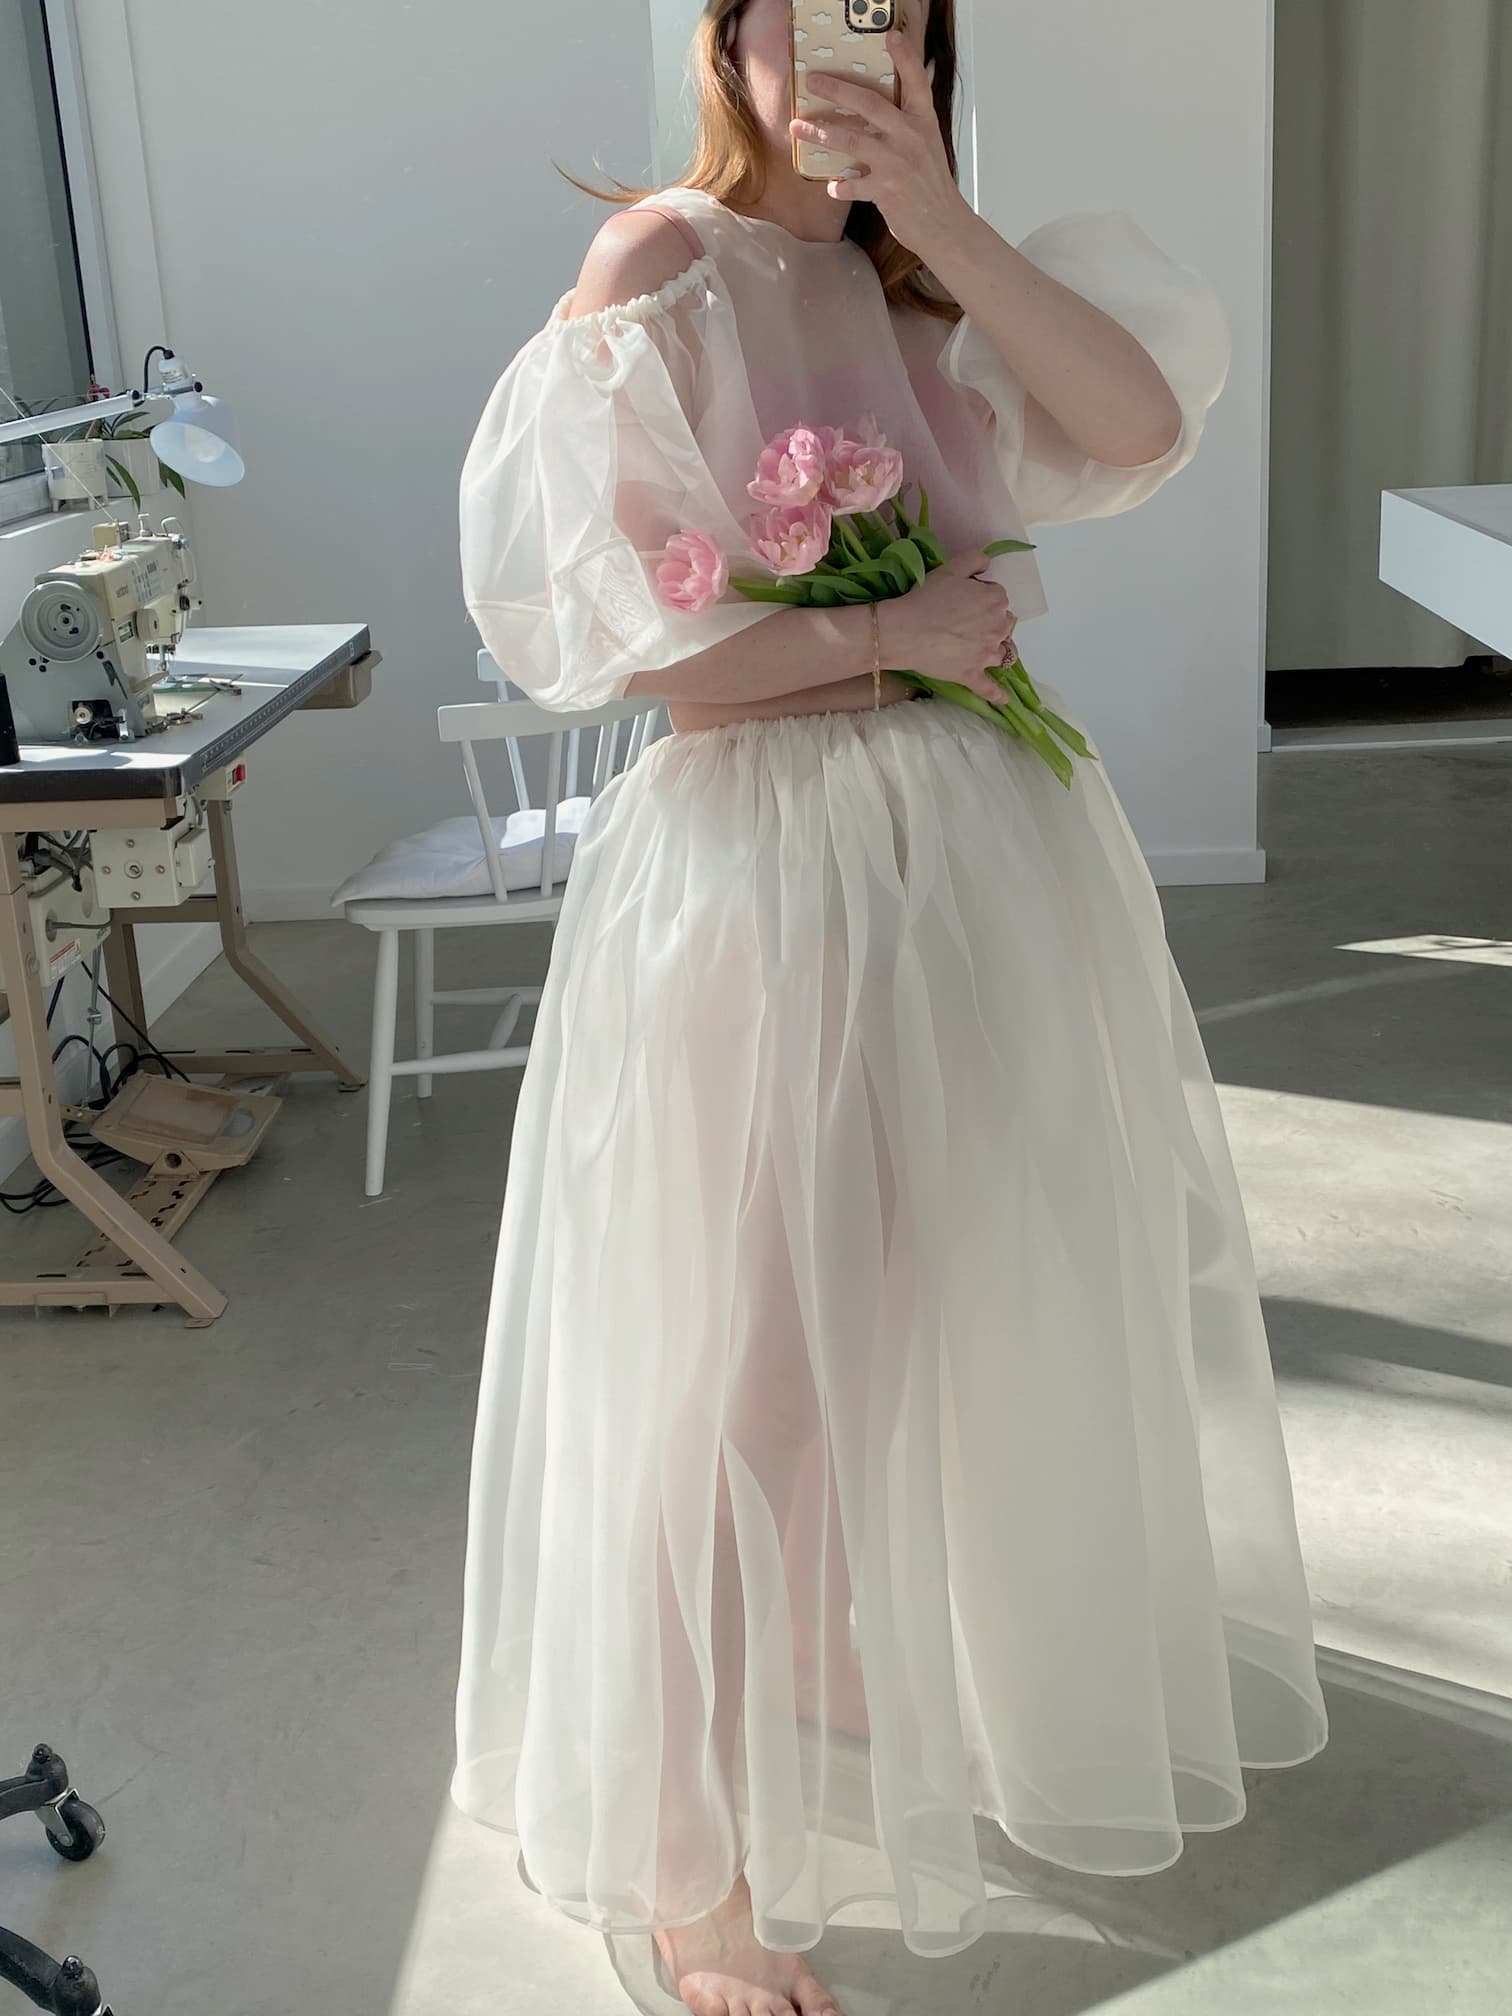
(722, 1969)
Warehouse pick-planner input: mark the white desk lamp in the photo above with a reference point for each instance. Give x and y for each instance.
(195, 433)
(98, 633)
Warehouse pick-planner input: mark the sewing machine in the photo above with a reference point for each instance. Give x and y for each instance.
(97, 636)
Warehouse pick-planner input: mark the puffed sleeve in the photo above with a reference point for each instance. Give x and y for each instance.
(583, 465)
(1171, 309)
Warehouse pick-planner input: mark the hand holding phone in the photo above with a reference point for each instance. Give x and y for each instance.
(846, 38)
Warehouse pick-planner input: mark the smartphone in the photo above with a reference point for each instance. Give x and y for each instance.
(847, 38)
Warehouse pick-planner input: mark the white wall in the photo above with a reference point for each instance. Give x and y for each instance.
(356, 224)
(1156, 628)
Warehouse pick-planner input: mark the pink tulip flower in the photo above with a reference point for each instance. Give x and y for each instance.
(693, 573)
(791, 470)
(861, 471)
(792, 539)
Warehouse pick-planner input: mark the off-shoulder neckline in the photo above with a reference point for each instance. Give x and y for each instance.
(641, 307)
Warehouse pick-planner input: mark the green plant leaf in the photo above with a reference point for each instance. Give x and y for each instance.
(876, 533)
(124, 476)
(172, 479)
(852, 545)
(1024, 685)
(923, 508)
(909, 558)
(874, 575)
(1072, 737)
(1034, 732)
(825, 594)
(930, 546)
(767, 591)
(1009, 546)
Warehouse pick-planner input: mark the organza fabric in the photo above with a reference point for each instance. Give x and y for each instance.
(876, 1426)
(610, 432)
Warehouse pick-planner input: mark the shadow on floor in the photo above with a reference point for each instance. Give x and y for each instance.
(1395, 1783)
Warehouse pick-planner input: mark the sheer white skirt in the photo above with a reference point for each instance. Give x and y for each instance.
(877, 1426)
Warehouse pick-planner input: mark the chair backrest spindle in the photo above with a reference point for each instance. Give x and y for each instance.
(486, 831)
(515, 722)
(553, 798)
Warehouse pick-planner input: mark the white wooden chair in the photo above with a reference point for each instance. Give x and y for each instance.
(522, 873)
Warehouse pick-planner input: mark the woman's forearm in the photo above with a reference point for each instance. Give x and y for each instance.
(841, 696)
(790, 652)
(1095, 380)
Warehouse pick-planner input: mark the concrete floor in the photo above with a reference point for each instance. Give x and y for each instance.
(230, 1558)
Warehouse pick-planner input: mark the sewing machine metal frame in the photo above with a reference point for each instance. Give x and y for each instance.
(144, 785)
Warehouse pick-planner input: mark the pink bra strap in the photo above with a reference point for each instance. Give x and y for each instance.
(680, 224)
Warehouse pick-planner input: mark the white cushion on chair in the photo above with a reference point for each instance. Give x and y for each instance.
(447, 860)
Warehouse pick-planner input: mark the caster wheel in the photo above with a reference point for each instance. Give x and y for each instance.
(86, 1830)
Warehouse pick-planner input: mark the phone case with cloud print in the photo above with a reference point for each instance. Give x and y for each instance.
(848, 38)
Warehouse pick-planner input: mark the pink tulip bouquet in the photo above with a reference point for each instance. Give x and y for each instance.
(833, 530)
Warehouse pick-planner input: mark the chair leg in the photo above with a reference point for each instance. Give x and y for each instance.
(381, 1067)
(425, 1003)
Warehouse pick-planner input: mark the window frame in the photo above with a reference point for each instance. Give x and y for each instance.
(24, 497)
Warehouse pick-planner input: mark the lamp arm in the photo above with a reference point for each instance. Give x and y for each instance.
(150, 405)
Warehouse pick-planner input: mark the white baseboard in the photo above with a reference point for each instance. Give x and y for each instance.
(1177, 868)
(167, 972)
(1358, 738)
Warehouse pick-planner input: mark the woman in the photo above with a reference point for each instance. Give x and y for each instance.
(877, 1427)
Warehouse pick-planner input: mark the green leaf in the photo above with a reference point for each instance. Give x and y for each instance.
(962, 696)
(825, 594)
(875, 575)
(124, 475)
(850, 540)
(172, 479)
(772, 591)
(909, 558)
(1037, 736)
(923, 509)
(1009, 546)
(849, 590)
(875, 530)
(931, 547)
(1023, 685)
(1072, 737)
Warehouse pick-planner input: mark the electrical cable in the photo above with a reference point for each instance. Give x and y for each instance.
(44, 1195)
(150, 1049)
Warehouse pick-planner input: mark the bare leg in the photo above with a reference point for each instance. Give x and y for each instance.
(773, 1423)
(826, 1671)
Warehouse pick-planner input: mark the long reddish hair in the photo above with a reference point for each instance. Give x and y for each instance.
(729, 154)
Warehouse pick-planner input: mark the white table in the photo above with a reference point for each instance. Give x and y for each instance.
(1451, 551)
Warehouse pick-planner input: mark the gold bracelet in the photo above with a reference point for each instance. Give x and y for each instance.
(876, 656)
